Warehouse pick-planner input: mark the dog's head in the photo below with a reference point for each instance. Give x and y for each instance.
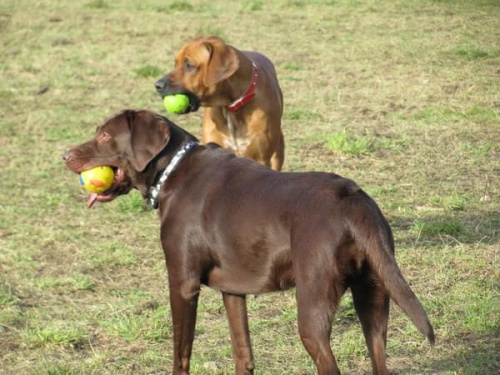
(200, 67)
(127, 142)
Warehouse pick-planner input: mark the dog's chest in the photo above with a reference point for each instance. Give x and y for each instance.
(236, 138)
(251, 275)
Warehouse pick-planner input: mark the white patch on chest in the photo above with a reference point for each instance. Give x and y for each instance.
(235, 140)
(238, 145)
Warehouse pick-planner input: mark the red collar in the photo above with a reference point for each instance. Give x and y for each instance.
(247, 95)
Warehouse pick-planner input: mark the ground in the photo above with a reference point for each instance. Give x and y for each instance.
(401, 96)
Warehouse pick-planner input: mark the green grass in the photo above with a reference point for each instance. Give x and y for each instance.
(453, 202)
(477, 114)
(149, 71)
(252, 5)
(448, 227)
(184, 6)
(110, 254)
(74, 283)
(344, 143)
(402, 97)
(471, 53)
(154, 326)
(98, 4)
(53, 336)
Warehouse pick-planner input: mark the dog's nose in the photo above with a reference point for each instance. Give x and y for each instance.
(68, 155)
(160, 85)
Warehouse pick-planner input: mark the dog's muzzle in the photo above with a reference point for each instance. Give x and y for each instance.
(161, 86)
(165, 87)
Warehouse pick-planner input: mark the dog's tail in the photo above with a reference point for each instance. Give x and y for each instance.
(373, 236)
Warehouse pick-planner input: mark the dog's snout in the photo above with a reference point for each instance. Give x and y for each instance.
(160, 85)
(69, 155)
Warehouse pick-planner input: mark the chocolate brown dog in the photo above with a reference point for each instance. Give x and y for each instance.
(241, 94)
(241, 228)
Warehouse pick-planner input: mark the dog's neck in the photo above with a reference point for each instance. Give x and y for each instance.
(241, 84)
(249, 93)
(154, 190)
(170, 158)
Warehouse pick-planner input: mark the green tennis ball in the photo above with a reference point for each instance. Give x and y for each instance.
(177, 104)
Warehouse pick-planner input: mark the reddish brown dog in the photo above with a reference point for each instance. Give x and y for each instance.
(241, 228)
(241, 94)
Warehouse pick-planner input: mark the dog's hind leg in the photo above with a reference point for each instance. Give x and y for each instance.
(236, 309)
(372, 306)
(317, 299)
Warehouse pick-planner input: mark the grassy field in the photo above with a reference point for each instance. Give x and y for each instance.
(401, 96)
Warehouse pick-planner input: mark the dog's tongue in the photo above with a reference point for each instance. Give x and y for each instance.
(92, 200)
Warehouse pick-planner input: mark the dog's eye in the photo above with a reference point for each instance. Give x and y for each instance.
(188, 67)
(103, 137)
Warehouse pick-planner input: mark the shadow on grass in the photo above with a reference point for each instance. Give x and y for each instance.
(481, 356)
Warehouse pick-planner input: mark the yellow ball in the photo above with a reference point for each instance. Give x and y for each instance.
(98, 179)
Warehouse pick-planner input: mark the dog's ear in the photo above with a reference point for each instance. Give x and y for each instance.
(222, 64)
(149, 135)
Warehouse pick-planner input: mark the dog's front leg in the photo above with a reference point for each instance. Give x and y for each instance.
(183, 302)
(267, 150)
(236, 310)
